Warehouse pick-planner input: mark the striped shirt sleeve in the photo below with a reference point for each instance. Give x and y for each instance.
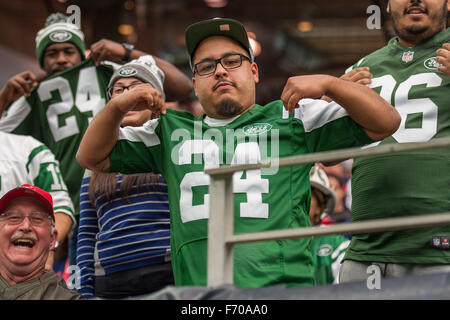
(88, 229)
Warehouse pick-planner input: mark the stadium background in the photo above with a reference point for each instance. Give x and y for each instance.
(296, 36)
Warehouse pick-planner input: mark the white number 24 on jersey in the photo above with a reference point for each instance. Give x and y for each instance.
(87, 99)
(253, 185)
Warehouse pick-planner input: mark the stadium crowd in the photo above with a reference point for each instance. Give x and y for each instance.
(109, 171)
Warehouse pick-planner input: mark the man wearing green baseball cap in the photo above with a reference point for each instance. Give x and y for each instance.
(236, 130)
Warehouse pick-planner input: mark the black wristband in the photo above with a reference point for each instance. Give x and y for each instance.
(128, 48)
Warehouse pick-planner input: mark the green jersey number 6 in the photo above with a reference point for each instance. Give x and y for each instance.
(406, 106)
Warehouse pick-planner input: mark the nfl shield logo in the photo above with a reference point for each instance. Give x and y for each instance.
(407, 56)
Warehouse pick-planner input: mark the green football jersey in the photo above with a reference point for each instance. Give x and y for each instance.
(181, 148)
(412, 183)
(327, 253)
(57, 113)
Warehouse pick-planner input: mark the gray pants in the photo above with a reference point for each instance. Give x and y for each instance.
(352, 271)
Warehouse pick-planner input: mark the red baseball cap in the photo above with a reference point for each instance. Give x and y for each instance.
(27, 190)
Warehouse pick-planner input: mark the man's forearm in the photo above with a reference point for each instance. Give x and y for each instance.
(378, 118)
(3, 102)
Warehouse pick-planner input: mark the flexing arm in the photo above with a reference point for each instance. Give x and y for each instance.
(377, 117)
(177, 85)
(103, 132)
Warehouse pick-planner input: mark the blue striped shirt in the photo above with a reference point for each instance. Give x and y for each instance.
(119, 235)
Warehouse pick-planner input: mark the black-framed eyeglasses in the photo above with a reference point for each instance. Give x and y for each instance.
(229, 61)
(15, 217)
(115, 90)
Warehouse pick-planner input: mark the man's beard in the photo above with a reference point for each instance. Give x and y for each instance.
(418, 34)
(229, 108)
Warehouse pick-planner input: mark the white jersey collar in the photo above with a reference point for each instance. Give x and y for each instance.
(213, 122)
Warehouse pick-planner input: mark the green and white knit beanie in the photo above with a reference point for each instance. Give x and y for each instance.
(58, 30)
(145, 69)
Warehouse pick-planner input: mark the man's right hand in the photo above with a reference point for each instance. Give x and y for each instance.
(17, 86)
(141, 97)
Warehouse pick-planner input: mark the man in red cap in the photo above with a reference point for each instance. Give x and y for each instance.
(27, 234)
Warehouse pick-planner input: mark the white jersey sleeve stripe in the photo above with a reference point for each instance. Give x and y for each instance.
(15, 114)
(316, 113)
(145, 134)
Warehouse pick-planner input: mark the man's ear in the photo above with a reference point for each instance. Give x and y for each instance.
(388, 9)
(255, 72)
(193, 86)
(54, 237)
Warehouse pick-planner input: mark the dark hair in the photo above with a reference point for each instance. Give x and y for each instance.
(104, 184)
(321, 199)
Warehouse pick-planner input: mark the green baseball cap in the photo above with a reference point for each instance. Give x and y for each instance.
(199, 31)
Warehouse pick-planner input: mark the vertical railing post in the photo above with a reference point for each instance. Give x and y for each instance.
(220, 227)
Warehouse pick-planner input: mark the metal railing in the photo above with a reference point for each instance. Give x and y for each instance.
(221, 215)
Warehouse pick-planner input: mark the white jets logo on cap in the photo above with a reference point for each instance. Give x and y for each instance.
(60, 36)
(127, 72)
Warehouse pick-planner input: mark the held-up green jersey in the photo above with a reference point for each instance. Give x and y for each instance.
(57, 113)
(413, 183)
(181, 148)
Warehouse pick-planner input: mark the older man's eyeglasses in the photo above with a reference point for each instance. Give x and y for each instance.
(229, 61)
(17, 217)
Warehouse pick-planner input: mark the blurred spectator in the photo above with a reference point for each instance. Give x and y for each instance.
(341, 213)
(327, 251)
(124, 234)
(27, 235)
(25, 160)
(338, 178)
(323, 200)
